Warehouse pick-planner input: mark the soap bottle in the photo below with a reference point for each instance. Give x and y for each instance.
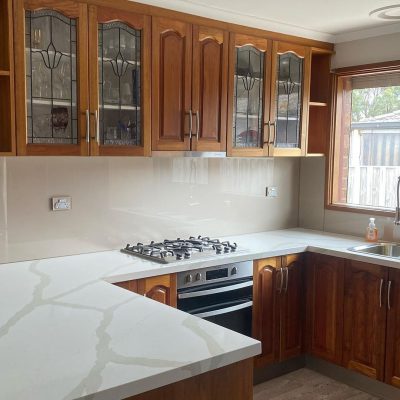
(372, 231)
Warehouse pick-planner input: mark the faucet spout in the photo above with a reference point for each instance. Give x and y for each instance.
(397, 218)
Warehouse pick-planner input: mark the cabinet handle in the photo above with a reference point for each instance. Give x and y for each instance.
(197, 125)
(268, 125)
(271, 140)
(380, 294)
(97, 125)
(190, 124)
(87, 126)
(388, 294)
(287, 279)
(281, 283)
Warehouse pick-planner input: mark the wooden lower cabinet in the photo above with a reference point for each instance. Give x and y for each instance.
(325, 295)
(159, 288)
(278, 308)
(233, 382)
(392, 370)
(365, 318)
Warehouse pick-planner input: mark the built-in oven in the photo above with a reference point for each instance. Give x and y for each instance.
(222, 294)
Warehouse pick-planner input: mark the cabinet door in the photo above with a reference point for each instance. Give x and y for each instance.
(159, 288)
(365, 318)
(119, 65)
(290, 92)
(171, 84)
(392, 375)
(51, 77)
(291, 307)
(325, 294)
(267, 287)
(248, 95)
(209, 94)
(132, 286)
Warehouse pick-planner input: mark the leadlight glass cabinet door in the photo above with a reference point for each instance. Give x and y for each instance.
(248, 95)
(119, 64)
(291, 68)
(51, 78)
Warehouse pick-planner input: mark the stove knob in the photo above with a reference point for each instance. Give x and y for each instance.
(234, 271)
(198, 276)
(189, 278)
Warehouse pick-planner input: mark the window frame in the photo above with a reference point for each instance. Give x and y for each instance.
(338, 92)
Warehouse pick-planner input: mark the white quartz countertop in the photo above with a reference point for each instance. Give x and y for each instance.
(67, 333)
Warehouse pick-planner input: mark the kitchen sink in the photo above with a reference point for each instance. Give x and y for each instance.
(379, 249)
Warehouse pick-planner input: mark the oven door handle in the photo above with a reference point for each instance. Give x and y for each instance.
(225, 310)
(215, 291)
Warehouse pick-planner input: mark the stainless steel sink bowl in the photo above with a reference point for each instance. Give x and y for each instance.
(379, 249)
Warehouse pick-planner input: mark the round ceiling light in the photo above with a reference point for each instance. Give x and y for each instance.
(391, 13)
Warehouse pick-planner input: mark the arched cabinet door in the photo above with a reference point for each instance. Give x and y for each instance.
(119, 54)
(159, 288)
(290, 92)
(171, 84)
(51, 63)
(209, 86)
(248, 95)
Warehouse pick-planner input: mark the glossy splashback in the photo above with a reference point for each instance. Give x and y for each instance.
(120, 200)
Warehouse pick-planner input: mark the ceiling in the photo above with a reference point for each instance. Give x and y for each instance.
(328, 20)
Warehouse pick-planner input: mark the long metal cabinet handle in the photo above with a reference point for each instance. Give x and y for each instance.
(268, 124)
(190, 124)
(380, 294)
(96, 116)
(215, 291)
(197, 125)
(281, 283)
(224, 310)
(287, 279)
(272, 140)
(388, 294)
(87, 126)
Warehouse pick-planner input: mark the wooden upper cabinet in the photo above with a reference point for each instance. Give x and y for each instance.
(248, 95)
(267, 281)
(365, 304)
(171, 84)
(51, 77)
(291, 307)
(119, 67)
(209, 94)
(159, 288)
(290, 92)
(392, 373)
(325, 294)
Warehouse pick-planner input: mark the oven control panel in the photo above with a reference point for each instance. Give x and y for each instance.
(215, 274)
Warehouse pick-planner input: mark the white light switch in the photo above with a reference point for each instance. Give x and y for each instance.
(63, 203)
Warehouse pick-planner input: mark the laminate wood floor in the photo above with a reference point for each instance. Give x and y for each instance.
(305, 384)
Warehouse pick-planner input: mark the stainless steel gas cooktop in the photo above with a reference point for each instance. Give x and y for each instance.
(180, 249)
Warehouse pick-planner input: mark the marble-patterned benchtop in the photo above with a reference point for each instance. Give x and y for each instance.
(67, 333)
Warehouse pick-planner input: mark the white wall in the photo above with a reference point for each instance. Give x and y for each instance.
(312, 177)
(119, 200)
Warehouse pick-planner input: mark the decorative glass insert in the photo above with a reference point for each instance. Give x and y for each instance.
(288, 100)
(119, 84)
(248, 97)
(51, 87)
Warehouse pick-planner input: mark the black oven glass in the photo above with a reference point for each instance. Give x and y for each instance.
(217, 274)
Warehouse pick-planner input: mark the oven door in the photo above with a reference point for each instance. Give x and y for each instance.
(229, 305)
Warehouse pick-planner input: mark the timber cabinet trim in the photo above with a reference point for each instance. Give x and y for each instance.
(7, 100)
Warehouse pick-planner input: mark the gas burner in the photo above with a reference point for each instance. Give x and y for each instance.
(180, 249)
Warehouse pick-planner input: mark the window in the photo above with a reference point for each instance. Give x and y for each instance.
(365, 157)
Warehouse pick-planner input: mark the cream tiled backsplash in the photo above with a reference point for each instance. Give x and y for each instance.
(119, 200)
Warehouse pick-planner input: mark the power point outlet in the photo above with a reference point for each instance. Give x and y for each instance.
(271, 192)
(63, 203)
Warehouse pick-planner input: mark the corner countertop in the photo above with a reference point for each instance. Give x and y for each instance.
(67, 333)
